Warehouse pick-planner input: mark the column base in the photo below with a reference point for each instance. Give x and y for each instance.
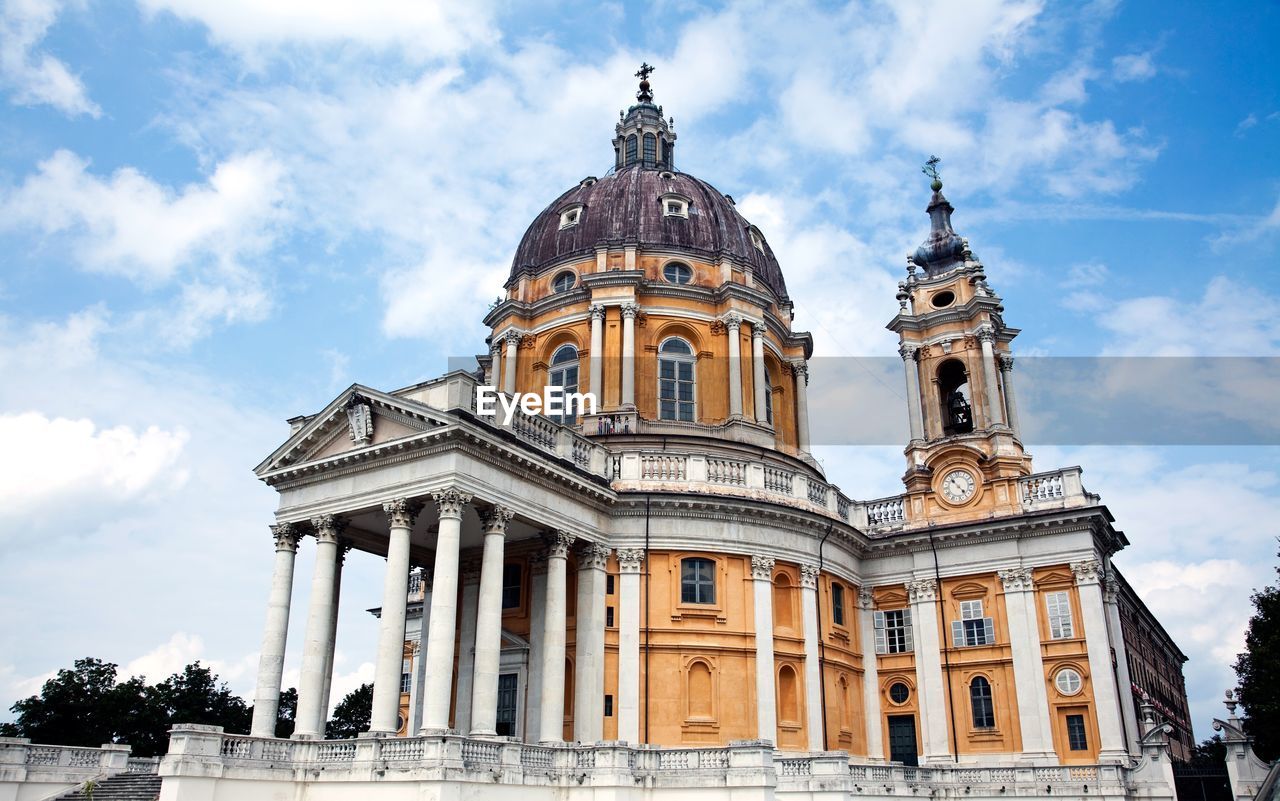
(488, 734)
(374, 735)
(1113, 756)
(432, 731)
(1038, 759)
(305, 736)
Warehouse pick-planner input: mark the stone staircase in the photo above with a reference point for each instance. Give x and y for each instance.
(121, 787)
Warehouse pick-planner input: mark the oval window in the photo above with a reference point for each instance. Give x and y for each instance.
(677, 273)
(563, 282)
(943, 299)
(899, 693)
(1068, 681)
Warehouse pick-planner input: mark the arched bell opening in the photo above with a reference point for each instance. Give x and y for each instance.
(953, 390)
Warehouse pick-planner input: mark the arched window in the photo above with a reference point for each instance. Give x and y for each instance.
(650, 148)
(631, 149)
(676, 385)
(768, 396)
(783, 609)
(953, 391)
(564, 373)
(563, 282)
(677, 272)
(984, 715)
(699, 689)
(697, 581)
(788, 692)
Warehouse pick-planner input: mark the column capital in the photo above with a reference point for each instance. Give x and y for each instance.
(986, 333)
(762, 568)
(809, 576)
(495, 347)
(630, 310)
(630, 559)
(1088, 571)
(757, 329)
(596, 311)
(866, 598)
(1005, 361)
(495, 520)
(593, 556)
(512, 337)
(922, 590)
(1111, 588)
(908, 351)
(1017, 579)
(401, 512)
(328, 527)
(558, 544)
(344, 548)
(732, 321)
(286, 536)
(538, 562)
(800, 369)
(450, 501)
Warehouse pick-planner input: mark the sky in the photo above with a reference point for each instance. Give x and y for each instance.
(216, 215)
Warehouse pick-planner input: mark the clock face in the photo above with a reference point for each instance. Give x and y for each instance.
(958, 486)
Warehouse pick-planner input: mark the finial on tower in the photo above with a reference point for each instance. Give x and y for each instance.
(930, 169)
(644, 95)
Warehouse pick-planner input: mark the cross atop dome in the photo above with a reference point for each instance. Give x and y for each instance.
(642, 136)
(645, 95)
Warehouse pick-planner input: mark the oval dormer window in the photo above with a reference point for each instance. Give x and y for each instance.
(674, 205)
(570, 216)
(563, 282)
(943, 299)
(677, 273)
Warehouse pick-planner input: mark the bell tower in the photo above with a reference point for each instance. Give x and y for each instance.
(965, 456)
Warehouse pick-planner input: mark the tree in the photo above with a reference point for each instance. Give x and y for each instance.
(197, 696)
(287, 712)
(1210, 753)
(1258, 673)
(351, 716)
(81, 706)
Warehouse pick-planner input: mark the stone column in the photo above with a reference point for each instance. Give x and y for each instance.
(495, 360)
(733, 324)
(629, 563)
(762, 387)
(1028, 666)
(596, 385)
(914, 413)
(766, 696)
(512, 339)
(537, 620)
(1124, 682)
(588, 685)
(870, 675)
(444, 611)
(933, 695)
(470, 572)
(629, 311)
(812, 663)
(987, 336)
(801, 371)
(266, 699)
(310, 717)
(1010, 401)
(344, 548)
(1094, 618)
(553, 638)
(420, 658)
(395, 592)
(484, 693)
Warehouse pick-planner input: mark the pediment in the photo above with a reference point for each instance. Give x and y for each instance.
(969, 590)
(358, 418)
(891, 598)
(1055, 577)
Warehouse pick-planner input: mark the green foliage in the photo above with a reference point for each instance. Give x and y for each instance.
(1210, 753)
(287, 713)
(87, 706)
(1258, 673)
(351, 716)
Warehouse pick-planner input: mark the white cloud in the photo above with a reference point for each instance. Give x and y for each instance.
(72, 459)
(1133, 67)
(1256, 229)
(429, 28)
(32, 76)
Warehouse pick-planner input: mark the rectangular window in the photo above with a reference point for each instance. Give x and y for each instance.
(406, 675)
(1076, 739)
(1059, 608)
(893, 631)
(608, 617)
(972, 628)
(837, 604)
(508, 684)
(697, 581)
(608, 706)
(608, 585)
(511, 586)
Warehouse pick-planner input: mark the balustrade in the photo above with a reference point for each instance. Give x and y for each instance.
(778, 480)
(658, 467)
(727, 471)
(886, 512)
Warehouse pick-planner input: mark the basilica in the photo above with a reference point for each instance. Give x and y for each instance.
(654, 590)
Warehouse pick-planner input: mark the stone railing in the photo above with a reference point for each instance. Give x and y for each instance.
(30, 770)
(1056, 489)
(143, 765)
(204, 751)
(886, 512)
(726, 475)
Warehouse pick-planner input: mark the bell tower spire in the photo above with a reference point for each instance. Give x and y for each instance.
(964, 455)
(642, 137)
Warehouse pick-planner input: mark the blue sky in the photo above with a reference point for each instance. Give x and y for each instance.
(215, 215)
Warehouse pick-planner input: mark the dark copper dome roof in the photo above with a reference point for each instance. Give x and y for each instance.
(624, 207)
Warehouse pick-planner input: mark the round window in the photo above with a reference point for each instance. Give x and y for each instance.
(1068, 681)
(563, 282)
(899, 692)
(943, 299)
(677, 273)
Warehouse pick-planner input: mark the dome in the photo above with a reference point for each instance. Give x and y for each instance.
(625, 207)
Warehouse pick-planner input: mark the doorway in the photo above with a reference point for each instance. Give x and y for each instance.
(902, 740)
